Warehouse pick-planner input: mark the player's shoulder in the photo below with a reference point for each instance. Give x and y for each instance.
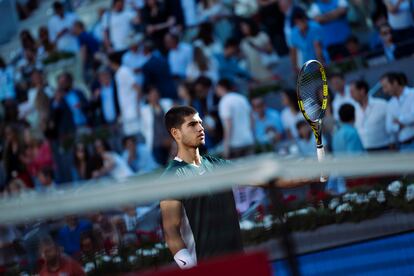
(175, 168)
(216, 160)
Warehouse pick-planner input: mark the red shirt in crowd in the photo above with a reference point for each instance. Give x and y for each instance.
(68, 267)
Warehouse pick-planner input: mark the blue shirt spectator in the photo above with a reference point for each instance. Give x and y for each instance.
(268, 127)
(69, 235)
(346, 139)
(305, 42)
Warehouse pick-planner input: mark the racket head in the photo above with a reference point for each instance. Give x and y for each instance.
(312, 91)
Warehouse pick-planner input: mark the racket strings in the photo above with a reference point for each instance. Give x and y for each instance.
(311, 91)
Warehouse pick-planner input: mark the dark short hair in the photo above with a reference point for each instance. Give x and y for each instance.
(174, 118)
(127, 138)
(232, 42)
(115, 57)
(347, 113)
(395, 77)
(225, 83)
(361, 84)
(301, 123)
(299, 14)
(57, 5)
(203, 81)
(336, 74)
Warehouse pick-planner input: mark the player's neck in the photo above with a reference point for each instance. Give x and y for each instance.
(190, 155)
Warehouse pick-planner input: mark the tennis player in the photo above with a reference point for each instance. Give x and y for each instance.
(203, 226)
(199, 227)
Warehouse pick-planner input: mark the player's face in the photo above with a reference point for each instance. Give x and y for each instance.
(192, 132)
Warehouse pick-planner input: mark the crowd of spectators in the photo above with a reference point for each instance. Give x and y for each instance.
(141, 57)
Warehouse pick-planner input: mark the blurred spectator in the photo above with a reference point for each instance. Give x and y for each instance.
(346, 139)
(272, 18)
(69, 107)
(60, 26)
(157, 73)
(15, 187)
(7, 90)
(88, 44)
(305, 37)
(104, 100)
(268, 127)
(45, 178)
(97, 28)
(288, 8)
(134, 58)
(340, 92)
(117, 24)
(128, 93)
(69, 234)
(189, 9)
(236, 116)
(138, 157)
(400, 115)
(331, 14)
(46, 46)
(37, 107)
(38, 152)
(180, 54)
(90, 246)
(113, 164)
(353, 47)
(400, 17)
(229, 63)
(257, 48)
(9, 237)
(158, 21)
(24, 69)
(290, 113)
(156, 136)
(206, 40)
(82, 163)
(202, 65)
(370, 118)
(215, 11)
(27, 41)
(56, 263)
(391, 48)
(306, 140)
(186, 94)
(12, 151)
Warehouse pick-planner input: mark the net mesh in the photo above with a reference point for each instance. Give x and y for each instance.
(310, 89)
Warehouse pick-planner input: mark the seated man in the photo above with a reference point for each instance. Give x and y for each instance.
(56, 263)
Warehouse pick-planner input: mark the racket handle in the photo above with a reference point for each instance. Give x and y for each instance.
(320, 152)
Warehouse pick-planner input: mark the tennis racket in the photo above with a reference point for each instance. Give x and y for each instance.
(312, 92)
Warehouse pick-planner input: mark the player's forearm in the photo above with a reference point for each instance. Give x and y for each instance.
(173, 238)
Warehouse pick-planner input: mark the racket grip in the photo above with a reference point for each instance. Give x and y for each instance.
(320, 152)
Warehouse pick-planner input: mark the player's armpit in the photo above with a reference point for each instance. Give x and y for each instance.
(171, 213)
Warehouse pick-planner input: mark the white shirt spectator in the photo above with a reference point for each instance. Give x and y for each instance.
(211, 50)
(193, 71)
(402, 109)
(339, 100)
(128, 99)
(147, 120)
(66, 42)
(236, 107)
(121, 170)
(27, 108)
(289, 120)
(401, 19)
(180, 58)
(135, 61)
(370, 123)
(120, 28)
(134, 4)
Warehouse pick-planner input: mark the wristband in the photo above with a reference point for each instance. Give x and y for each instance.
(184, 259)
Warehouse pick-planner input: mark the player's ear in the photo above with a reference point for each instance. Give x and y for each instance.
(175, 133)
